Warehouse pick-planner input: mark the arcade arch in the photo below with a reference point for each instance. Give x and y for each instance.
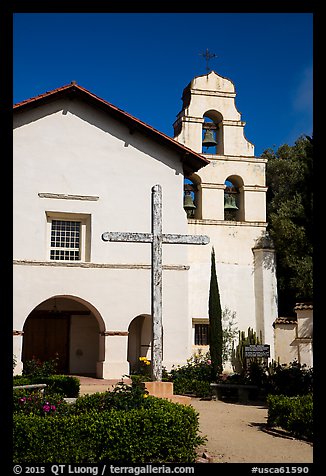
(68, 329)
(139, 340)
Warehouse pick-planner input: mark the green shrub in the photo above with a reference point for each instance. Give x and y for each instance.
(64, 385)
(292, 379)
(255, 374)
(198, 367)
(122, 397)
(39, 368)
(37, 371)
(193, 378)
(142, 368)
(138, 379)
(21, 380)
(34, 402)
(286, 379)
(159, 431)
(185, 386)
(293, 414)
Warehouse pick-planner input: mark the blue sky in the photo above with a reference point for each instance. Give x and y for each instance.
(141, 62)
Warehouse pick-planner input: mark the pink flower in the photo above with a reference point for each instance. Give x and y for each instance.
(209, 362)
(47, 407)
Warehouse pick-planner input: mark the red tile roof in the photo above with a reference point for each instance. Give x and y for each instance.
(300, 306)
(285, 320)
(191, 160)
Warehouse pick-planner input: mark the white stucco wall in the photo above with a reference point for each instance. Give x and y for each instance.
(284, 336)
(234, 269)
(74, 153)
(304, 337)
(68, 148)
(305, 322)
(294, 340)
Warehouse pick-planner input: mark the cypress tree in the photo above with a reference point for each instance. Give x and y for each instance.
(215, 322)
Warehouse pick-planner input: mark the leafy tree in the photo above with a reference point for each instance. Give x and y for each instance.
(215, 322)
(290, 221)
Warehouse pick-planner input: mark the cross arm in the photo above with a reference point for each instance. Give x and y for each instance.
(186, 239)
(148, 238)
(126, 236)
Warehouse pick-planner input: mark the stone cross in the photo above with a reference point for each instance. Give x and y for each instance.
(156, 238)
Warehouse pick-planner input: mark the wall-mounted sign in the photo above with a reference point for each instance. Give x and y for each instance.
(257, 350)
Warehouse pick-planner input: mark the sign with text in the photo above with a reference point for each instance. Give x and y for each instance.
(257, 350)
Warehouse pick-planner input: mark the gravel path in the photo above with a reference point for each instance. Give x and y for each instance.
(235, 435)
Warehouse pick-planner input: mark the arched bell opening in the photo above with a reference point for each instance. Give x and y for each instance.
(139, 340)
(212, 133)
(192, 202)
(67, 330)
(233, 199)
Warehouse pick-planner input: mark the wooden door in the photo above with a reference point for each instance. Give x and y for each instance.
(46, 337)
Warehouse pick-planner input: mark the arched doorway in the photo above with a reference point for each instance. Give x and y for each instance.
(66, 329)
(139, 340)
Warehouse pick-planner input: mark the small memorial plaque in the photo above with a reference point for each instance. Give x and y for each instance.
(262, 350)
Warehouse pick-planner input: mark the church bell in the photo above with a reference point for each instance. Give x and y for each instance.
(209, 140)
(188, 205)
(229, 202)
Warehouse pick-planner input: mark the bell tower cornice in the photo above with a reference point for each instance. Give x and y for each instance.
(202, 92)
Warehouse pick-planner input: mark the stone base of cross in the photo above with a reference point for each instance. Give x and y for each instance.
(157, 239)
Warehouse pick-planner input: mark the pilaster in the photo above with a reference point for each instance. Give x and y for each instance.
(17, 350)
(115, 365)
(265, 287)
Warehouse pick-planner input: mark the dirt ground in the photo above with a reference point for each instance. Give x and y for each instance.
(235, 432)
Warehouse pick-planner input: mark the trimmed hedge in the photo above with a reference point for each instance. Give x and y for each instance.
(159, 431)
(65, 385)
(185, 386)
(21, 380)
(293, 414)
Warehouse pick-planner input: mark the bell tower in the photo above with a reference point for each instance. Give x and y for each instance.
(229, 196)
(209, 105)
(210, 124)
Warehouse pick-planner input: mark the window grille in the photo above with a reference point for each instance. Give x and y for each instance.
(201, 334)
(65, 240)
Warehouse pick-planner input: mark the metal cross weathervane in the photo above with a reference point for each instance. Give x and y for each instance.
(157, 239)
(207, 55)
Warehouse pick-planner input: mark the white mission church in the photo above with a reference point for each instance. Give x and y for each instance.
(83, 167)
